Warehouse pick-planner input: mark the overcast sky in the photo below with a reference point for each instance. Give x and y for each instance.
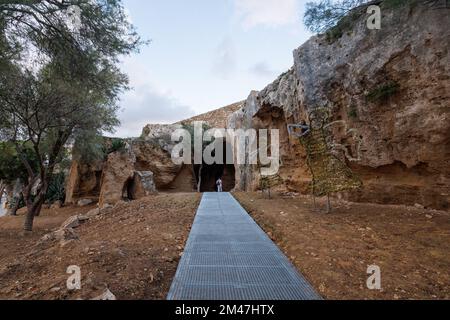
(205, 54)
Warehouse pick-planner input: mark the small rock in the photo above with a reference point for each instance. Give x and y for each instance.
(107, 206)
(71, 223)
(93, 213)
(429, 216)
(56, 205)
(56, 289)
(85, 202)
(419, 206)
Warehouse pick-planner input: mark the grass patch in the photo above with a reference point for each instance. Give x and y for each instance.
(345, 25)
(383, 92)
(117, 144)
(353, 112)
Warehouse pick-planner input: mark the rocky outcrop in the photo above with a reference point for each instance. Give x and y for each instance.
(217, 118)
(117, 176)
(392, 85)
(143, 185)
(159, 135)
(83, 181)
(155, 156)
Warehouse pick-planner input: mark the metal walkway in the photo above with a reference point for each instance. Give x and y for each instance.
(229, 257)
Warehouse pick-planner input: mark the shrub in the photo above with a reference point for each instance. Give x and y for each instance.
(383, 92)
(353, 112)
(56, 190)
(116, 145)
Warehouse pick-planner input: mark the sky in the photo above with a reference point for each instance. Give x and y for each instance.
(205, 54)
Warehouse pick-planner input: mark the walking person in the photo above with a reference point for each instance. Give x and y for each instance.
(219, 185)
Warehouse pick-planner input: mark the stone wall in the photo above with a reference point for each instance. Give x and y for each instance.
(392, 85)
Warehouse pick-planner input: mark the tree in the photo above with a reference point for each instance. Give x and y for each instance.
(325, 14)
(46, 111)
(55, 26)
(12, 171)
(72, 88)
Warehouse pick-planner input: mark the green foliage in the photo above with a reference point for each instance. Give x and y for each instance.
(89, 146)
(324, 15)
(117, 145)
(11, 166)
(353, 112)
(383, 92)
(70, 87)
(344, 25)
(103, 28)
(56, 189)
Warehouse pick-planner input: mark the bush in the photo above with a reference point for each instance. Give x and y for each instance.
(383, 92)
(344, 25)
(57, 190)
(353, 112)
(116, 145)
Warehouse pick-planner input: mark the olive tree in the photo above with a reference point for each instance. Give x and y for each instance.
(323, 15)
(59, 79)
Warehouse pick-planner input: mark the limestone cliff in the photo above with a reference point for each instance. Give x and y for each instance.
(392, 85)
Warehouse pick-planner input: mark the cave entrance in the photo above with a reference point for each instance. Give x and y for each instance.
(128, 190)
(207, 175)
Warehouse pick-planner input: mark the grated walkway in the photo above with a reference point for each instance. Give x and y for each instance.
(229, 257)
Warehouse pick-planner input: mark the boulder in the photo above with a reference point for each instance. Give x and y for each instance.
(143, 185)
(84, 202)
(83, 181)
(155, 157)
(74, 222)
(117, 175)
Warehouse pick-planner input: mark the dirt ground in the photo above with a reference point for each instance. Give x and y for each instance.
(132, 249)
(410, 245)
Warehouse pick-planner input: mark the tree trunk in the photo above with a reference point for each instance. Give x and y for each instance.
(199, 185)
(32, 212)
(13, 210)
(39, 209)
(2, 190)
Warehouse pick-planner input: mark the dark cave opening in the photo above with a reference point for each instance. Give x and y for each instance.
(211, 173)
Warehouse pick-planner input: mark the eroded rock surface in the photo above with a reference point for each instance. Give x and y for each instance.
(392, 85)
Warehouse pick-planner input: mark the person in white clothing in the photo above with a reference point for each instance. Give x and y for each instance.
(219, 185)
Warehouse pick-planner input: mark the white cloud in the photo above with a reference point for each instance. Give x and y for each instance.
(146, 102)
(224, 64)
(272, 13)
(145, 105)
(262, 69)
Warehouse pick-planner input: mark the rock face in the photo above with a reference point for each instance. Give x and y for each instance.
(156, 157)
(83, 181)
(217, 118)
(392, 85)
(117, 177)
(143, 185)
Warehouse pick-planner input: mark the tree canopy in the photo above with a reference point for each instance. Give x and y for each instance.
(325, 14)
(59, 79)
